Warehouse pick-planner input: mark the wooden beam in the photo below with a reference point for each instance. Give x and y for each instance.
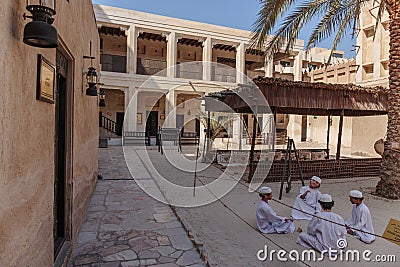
(327, 136)
(253, 143)
(339, 142)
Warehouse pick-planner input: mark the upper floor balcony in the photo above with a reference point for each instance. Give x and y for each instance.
(178, 56)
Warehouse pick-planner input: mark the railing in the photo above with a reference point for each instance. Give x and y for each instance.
(136, 138)
(188, 138)
(113, 63)
(281, 69)
(168, 134)
(108, 124)
(148, 66)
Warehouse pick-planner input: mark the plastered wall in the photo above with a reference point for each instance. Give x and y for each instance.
(27, 129)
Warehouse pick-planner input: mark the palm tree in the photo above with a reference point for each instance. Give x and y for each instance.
(339, 18)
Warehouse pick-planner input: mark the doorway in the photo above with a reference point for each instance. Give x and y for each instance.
(303, 128)
(120, 123)
(197, 127)
(62, 152)
(152, 123)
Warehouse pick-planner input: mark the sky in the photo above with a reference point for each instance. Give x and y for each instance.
(239, 14)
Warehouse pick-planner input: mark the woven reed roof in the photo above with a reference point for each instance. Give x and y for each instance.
(306, 98)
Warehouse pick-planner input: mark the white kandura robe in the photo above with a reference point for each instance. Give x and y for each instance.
(322, 235)
(309, 204)
(269, 222)
(361, 219)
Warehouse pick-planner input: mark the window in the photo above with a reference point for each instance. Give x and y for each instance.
(337, 55)
(311, 67)
(285, 64)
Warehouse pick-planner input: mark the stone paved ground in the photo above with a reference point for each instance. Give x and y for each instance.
(125, 227)
(225, 228)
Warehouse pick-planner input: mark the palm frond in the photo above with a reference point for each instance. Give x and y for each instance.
(338, 20)
(336, 17)
(341, 31)
(288, 33)
(270, 12)
(381, 10)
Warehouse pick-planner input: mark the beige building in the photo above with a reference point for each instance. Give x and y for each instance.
(148, 60)
(372, 65)
(342, 71)
(48, 149)
(372, 48)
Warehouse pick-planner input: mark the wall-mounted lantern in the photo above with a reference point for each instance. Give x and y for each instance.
(40, 32)
(91, 77)
(102, 102)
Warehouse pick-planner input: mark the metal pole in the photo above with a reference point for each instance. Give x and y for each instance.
(208, 133)
(195, 171)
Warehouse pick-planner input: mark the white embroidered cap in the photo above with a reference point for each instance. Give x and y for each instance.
(316, 178)
(325, 198)
(356, 194)
(265, 190)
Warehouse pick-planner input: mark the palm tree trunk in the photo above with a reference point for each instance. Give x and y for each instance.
(389, 185)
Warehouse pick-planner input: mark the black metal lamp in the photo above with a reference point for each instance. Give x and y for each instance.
(102, 102)
(91, 77)
(40, 32)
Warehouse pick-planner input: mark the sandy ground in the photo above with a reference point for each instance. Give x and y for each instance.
(225, 227)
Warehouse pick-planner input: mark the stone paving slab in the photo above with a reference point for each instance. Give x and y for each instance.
(125, 227)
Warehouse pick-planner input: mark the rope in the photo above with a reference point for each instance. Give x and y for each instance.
(313, 215)
(243, 220)
(340, 224)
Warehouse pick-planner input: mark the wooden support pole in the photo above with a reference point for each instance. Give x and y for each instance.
(339, 142)
(274, 131)
(327, 136)
(253, 142)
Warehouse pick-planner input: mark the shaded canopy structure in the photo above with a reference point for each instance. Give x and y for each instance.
(301, 98)
(304, 98)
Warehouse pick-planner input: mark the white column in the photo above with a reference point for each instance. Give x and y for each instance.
(207, 59)
(298, 65)
(171, 54)
(130, 109)
(170, 111)
(131, 53)
(237, 133)
(240, 63)
(269, 68)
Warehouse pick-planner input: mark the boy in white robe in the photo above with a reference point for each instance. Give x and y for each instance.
(323, 235)
(267, 220)
(360, 218)
(307, 200)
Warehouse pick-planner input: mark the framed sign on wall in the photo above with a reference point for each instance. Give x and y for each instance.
(46, 74)
(139, 118)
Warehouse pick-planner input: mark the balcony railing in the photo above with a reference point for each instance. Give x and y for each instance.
(191, 70)
(281, 69)
(223, 74)
(147, 66)
(113, 63)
